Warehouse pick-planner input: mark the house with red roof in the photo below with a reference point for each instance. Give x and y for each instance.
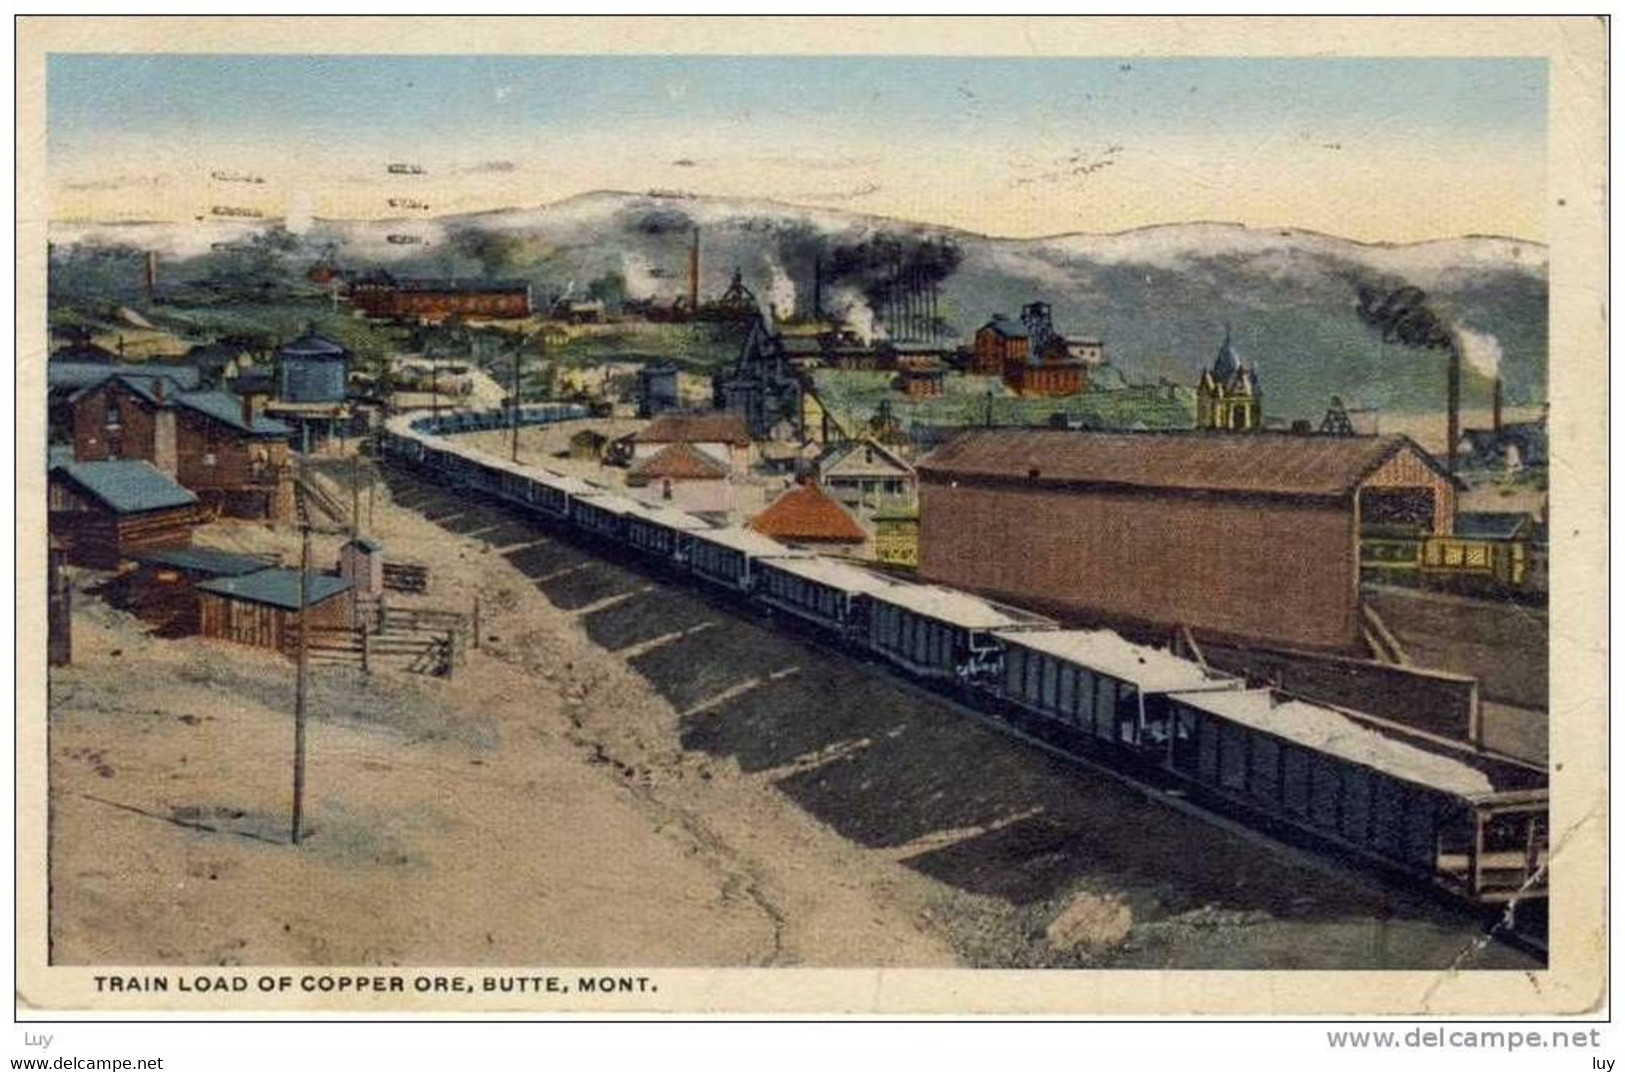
(806, 515)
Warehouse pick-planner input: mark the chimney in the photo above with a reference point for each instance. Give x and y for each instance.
(1453, 405)
(152, 275)
(1496, 407)
(694, 273)
(158, 389)
(248, 409)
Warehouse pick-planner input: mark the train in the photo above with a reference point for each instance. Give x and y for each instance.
(1463, 821)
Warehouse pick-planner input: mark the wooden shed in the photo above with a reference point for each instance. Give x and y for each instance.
(262, 609)
(104, 512)
(162, 589)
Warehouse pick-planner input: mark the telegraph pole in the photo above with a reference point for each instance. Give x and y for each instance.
(300, 690)
(518, 354)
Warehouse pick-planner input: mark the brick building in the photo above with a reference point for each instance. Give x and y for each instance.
(1242, 538)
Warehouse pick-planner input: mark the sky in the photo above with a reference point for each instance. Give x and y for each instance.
(1371, 149)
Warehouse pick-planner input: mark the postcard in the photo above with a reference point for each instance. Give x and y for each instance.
(845, 516)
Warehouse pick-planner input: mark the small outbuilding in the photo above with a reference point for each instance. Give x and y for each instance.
(262, 609)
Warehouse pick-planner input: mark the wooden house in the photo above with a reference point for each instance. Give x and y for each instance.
(104, 512)
(262, 609)
(860, 474)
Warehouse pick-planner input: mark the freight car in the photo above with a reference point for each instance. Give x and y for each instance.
(1472, 824)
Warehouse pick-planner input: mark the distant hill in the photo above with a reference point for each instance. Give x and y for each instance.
(1160, 297)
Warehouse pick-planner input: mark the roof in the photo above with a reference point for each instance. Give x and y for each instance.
(1147, 669)
(452, 286)
(313, 346)
(833, 574)
(73, 374)
(363, 542)
(277, 588)
(1488, 526)
(878, 460)
(806, 514)
(1227, 363)
(85, 353)
(203, 560)
(1006, 328)
(679, 461)
(127, 486)
(946, 605)
(696, 428)
(222, 407)
(1333, 732)
(1261, 463)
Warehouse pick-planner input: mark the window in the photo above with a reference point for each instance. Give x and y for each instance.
(115, 415)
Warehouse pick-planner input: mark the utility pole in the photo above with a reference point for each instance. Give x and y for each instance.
(300, 689)
(518, 353)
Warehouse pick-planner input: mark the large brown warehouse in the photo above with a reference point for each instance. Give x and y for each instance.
(1250, 538)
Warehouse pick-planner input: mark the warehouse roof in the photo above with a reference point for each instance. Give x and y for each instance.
(1257, 463)
(277, 588)
(127, 487)
(696, 428)
(1146, 668)
(1326, 730)
(72, 374)
(946, 605)
(806, 513)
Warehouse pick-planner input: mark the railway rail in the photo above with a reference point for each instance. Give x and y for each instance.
(1469, 824)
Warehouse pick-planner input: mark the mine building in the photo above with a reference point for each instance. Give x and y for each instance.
(1505, 446)
(861, 474)
(434, 300)
(723, 437)
(804, 516)
(1228, 398)
(1252, 539)
(261, 609)
(761, 385)
(998, 342)
(104, 512)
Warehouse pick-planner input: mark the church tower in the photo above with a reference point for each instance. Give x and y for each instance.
(1227, 395)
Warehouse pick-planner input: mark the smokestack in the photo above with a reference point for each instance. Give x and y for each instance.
(694, 273)
(1453, 404)
(152, 275)
(818, 289)
(1496, 407)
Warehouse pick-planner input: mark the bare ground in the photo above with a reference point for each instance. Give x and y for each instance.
(631, 772)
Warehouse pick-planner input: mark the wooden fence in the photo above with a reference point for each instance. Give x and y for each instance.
(424, 652)
(406, 577)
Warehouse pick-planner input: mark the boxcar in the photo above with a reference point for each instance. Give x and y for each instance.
(1099, 683)
(601, 514)
(829, 593)
(939, 632)
(1434, 812)
(662, 532)
(727, 556)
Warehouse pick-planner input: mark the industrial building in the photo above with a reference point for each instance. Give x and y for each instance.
(1252, 539)
(1034, 360)
(433, 300)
